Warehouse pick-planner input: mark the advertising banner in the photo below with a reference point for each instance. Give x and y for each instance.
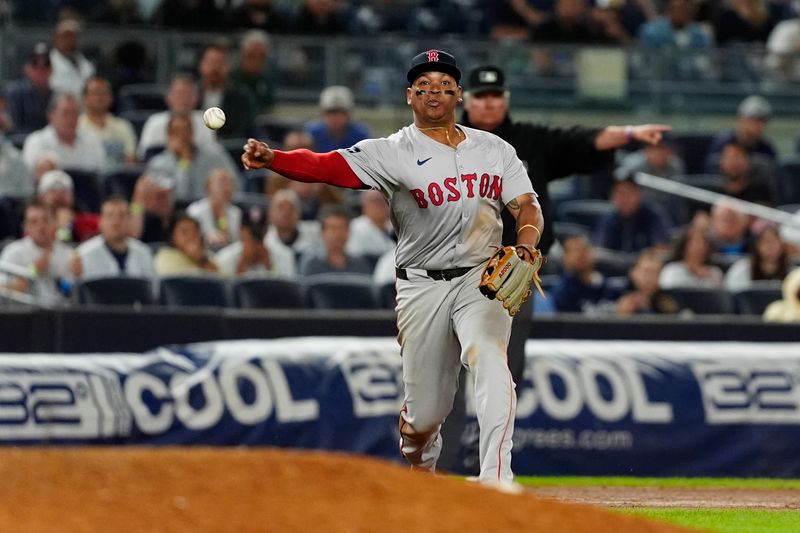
(585, 407)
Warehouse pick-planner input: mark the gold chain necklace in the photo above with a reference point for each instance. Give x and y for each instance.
(446, 133)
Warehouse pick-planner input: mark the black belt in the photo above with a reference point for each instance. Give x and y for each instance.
(441, 275)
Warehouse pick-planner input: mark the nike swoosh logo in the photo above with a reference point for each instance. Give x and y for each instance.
(420, 163)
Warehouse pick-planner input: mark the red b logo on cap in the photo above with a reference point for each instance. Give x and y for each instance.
(433, 55)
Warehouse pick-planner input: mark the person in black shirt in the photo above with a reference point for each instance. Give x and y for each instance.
(549, 153)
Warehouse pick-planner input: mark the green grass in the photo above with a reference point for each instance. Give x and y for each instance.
(669, 482)
(716, 520)
(726, 520)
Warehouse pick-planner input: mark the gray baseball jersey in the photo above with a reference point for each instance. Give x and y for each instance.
(446, 203)
(446, 206)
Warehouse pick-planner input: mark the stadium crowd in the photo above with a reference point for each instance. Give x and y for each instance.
(87, 194)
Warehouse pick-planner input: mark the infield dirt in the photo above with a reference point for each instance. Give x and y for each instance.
(123, 490)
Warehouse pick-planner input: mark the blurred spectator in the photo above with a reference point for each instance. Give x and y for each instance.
(56, 191)
(41, 255)
(676, 28)
(249, 255)
(182, 97)
(116, 133)
(729, 229)
(581, 289)
(313, 197)
(113, 252)
(215, 91)
(767, 259)
(252, 70)
(16, 180)
(333, 257)
(783, 47)
(285, 229)
(633, 225)
(690, 265)
(752, 117)
(259, 14)
(643, 294)
(190, 14)
(787, 309)
(219, 219)
(371, 232)
(62, 143)
(744, 179)
(152, 207)
(70, 68)
(656, 159)
(27, 99)
(117, 13)
(336, 129)
(320, 17)
(185, 254)
(515, 18)
(744, 21)
(576, 22)
(186, 163)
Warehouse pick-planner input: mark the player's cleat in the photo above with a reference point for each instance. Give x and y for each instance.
(508, 487)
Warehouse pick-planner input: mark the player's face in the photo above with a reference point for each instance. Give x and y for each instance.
(433, 97)
(486, 110)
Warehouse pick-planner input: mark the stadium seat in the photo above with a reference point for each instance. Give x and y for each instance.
(115, 291)
(137, 117)
(613, 262)
(255, 181)
(341, 291)
(388, 295)
(120, 181)
(151, 152)
(11, 214)
(703, 301)
(142, 97)
(194, 291)
(583, 212)
(268, 293)
(693, 148)
(563, 230)
(754, 300)
(87, 190)
(789, 180)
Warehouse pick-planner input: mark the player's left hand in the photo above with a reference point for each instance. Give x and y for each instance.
(650, 133)
(509, 274)
(257, 154)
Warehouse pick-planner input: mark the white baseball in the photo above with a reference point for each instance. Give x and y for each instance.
(214, 118)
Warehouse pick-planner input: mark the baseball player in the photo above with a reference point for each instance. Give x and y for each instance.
(446, 185)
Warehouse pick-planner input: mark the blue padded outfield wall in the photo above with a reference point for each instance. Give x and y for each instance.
(585, 408)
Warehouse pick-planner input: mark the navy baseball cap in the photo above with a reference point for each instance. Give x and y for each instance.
(485, 79)
(433, 61)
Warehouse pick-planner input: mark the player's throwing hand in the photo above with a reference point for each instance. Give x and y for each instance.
(257, 155)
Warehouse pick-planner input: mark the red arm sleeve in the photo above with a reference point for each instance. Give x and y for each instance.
(305, 165)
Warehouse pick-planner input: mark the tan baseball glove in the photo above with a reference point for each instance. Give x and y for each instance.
(508, 277)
